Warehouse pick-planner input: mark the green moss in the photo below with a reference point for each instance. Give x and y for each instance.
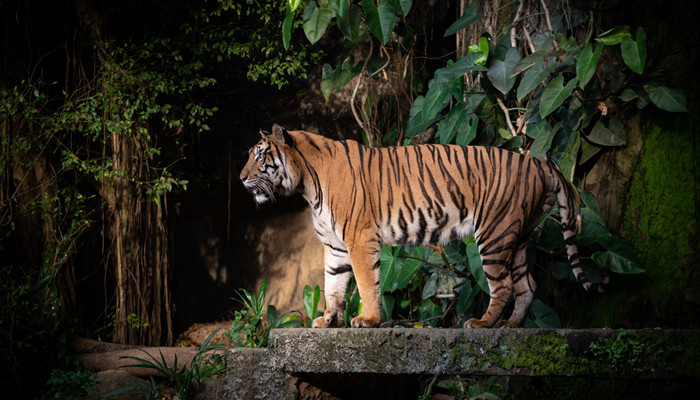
(661, 204)
(627, 354)
(545, 354)
(660, 221)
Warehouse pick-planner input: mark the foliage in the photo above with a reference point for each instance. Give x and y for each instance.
(70, 384)
(247, 32)
(28, 324)
(249, 329)
(311, 298)
(184, 381)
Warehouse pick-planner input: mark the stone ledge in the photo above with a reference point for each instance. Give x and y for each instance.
(594, 353)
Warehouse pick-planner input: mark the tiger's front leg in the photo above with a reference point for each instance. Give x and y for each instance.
(365, 265)
(337, 276)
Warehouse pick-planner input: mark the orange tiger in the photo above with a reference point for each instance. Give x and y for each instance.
(362, 199)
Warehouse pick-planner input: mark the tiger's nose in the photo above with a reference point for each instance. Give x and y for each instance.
(244, 178)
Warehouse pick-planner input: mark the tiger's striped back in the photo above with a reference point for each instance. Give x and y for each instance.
(364, 198)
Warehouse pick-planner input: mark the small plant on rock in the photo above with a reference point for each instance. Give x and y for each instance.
(248, 329)
(183, 382)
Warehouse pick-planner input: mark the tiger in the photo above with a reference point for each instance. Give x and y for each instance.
(363, 198)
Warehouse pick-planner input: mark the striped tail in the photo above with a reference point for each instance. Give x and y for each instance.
(569, 209)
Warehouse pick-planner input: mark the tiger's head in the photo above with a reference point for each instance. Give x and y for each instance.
(270, 169)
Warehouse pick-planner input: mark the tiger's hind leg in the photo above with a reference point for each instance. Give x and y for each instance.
(523, 286)
(496, 257)
(337, 276)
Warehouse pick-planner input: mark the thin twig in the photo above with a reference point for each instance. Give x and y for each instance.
(549, 21)
(357, 85)
(505, 111)
(590, 31)
(455, 272)
(382, 49)
(515, 21)
(528, 38)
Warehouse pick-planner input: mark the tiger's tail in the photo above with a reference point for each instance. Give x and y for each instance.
(569, 209)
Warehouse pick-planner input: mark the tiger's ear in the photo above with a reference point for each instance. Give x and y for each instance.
(281, 136)
(264, 133)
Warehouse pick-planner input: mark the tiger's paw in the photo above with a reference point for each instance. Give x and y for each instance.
(327, 320)
(365, 322)
(320, 322)
(474, 323)
(505, 324)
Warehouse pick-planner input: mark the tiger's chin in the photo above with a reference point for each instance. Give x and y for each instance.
(260, 196)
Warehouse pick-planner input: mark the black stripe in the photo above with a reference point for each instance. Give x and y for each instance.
(340, 269)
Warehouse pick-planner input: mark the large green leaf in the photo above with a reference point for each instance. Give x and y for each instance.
(543, 138)
(450, 124)
(483, 47)
(666, 98)
(587, 63)
(316, 20)
(469, 17)
(345, 72)
(613, 36)
(416, 125)
(554, 94)
(588, 150)
(476, 267)
(435, 100)
(592, 227)
(350, 24)
(467, 132)
(380, 18)
(534, 76)
(287, 28)
(409, 267)
(401, 6)
(339, 6)
(311, 299)
(293, 4)
(538, 56)
(458, 68)
(566, 160)
(430, 287)
(612, 135)
(387, 261)
(327, 81)
(619, 256)
(634, 53)
(466, 298)
(388, 302)
(500, 71)
(545, 317)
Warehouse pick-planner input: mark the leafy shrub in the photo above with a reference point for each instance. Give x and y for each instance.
(249, 328)
(184, 381)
